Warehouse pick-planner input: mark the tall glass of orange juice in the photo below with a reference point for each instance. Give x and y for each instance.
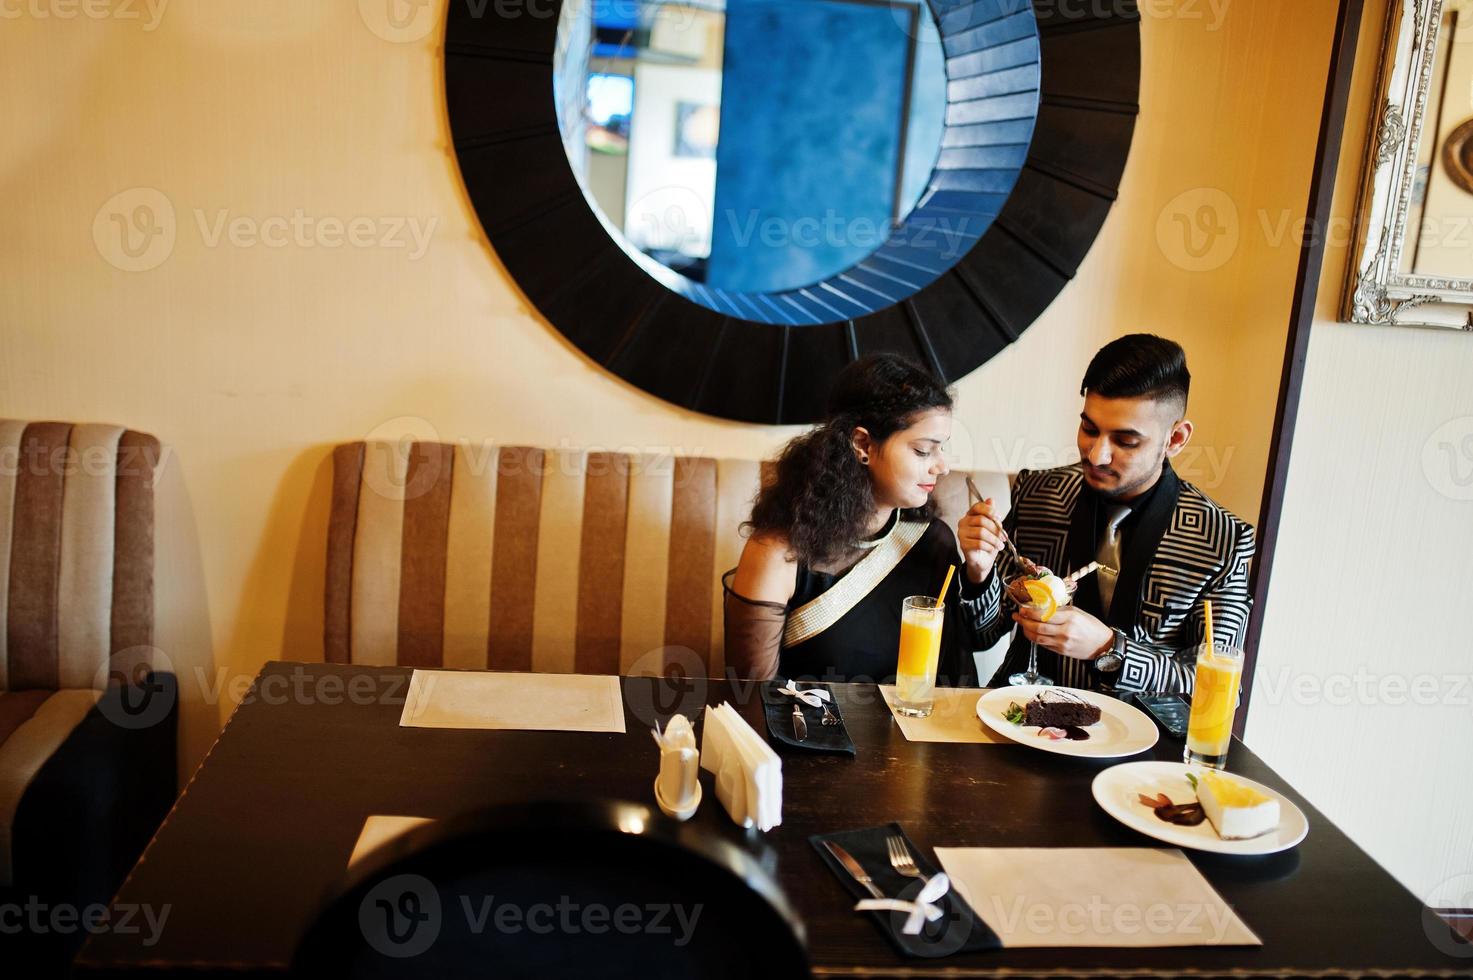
(1214, 702)
(920, 649)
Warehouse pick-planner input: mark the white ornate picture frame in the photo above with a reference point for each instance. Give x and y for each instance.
(1377, 291)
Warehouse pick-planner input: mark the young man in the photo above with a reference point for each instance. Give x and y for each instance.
(1136, 628)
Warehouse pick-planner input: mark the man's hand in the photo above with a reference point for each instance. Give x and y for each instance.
(1070, 633)
(980, 534)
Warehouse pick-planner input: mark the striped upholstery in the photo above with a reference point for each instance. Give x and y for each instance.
(76, 517)
(76, 584)
(516, 558)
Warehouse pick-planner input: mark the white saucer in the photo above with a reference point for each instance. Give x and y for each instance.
(1117, 790)
(1122, 729)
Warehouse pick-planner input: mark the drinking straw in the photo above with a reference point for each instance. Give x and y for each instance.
(1207, 605)
(950, 570)
(1075, 577)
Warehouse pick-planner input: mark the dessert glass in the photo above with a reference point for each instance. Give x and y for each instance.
(1031, 591)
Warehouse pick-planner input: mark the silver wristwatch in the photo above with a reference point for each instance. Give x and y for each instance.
(1113, 658)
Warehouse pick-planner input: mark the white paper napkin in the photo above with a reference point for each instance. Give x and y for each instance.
(953, 720)
(529, 702)
(380, 828)
(749, 774)
(1093, 896)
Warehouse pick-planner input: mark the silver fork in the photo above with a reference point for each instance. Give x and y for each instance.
(829, 718)
(901, 860)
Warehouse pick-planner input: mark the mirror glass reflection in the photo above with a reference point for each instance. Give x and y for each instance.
(751, 145)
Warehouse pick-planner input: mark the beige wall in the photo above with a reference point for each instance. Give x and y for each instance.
(250, 361)
(1364, 693)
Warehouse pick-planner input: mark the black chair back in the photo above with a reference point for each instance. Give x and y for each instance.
(588, 889)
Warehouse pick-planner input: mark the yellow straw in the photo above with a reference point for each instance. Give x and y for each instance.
(1207, 604)
(950, 570)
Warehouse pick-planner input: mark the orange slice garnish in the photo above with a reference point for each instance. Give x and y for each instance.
(1043, 597)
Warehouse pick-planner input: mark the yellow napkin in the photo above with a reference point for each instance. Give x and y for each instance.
(954, 719)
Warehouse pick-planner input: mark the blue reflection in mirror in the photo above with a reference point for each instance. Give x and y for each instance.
(777, 160)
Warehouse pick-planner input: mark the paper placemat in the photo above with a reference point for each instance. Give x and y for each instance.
(379, 828)
(1093, 896)
(953, 720)
(527, 702)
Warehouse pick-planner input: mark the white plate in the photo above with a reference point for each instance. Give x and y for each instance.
(1122, 729)
(1116, 790)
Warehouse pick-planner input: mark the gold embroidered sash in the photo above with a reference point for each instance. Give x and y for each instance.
(826, 609)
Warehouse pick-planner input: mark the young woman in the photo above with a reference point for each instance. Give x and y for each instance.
(847, 530)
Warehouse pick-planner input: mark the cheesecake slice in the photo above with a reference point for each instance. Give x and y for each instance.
(1237, 812)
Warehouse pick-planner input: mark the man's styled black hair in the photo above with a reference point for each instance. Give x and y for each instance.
(1139, 365)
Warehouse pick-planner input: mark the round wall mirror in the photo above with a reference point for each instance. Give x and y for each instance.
(724, 202)
(713, 166)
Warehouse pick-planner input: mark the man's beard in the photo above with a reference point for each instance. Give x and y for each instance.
(1119, 492)
(1134, 488)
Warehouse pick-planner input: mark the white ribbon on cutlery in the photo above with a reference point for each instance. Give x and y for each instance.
(920, 911)
(813, 697)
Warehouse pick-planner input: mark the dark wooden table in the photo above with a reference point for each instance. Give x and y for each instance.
(269, 819)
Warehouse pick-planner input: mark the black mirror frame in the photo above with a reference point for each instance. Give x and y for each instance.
(503, 122)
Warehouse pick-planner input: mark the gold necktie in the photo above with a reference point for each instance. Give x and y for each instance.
(1108, 556)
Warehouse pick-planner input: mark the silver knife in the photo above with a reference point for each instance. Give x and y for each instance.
(800, 724)
(853, 867)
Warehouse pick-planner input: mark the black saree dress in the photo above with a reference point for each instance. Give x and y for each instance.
(843, 622)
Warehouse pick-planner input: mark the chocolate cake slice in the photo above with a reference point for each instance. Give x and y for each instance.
(1059, 709)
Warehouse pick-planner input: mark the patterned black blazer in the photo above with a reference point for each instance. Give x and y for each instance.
(1183, 548)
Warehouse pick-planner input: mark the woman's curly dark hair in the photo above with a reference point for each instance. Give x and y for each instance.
(821, 498)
